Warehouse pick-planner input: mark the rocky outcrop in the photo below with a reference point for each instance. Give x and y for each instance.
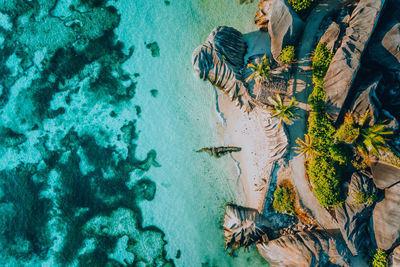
(263, 15)
(284, 27)
(384, 48)
(385, 175)
(353, 217)
(220, 60)
(245, 226)
(346, 62)
(386, 220)
(394, 258)
(308, 248)
(331, 35)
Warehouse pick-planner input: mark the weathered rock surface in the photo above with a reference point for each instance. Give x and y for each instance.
(220, 60)
(263, 14)
(308, 248)
(395, 257)
(284, 27)
(386, 219)
(353, 217)
(245, 226)
(384, 48)
(385, 175)
(331, 35)
(346, 62)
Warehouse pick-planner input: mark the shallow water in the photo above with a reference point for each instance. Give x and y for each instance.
(98, 162)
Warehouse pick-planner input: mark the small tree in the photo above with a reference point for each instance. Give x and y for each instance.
(261, 71)
(284, 200)
(285, 113)
(306, 147)
(365, 139)
(380, 259)
(287, 55)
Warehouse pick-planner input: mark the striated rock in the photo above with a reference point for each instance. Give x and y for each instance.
(346, 62)
(220, 60)
(284, 27)
(263, 15)
(353, 217)
(386, 219)
(331, 35)
(308, 248)
(394, 258)
(385, 175)
(245, 226)
(384, 48)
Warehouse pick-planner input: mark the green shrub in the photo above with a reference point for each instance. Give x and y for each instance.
(284, 200)
(287, 55)
(380, 259)
(325, 170)
(362, 197)
(321, 60)
(301, 5)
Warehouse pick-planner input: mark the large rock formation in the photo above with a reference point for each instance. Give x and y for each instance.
(346, 62)
(284, 27)
(308, 248)
(384, 48)
(220, 60)
(386, 219)
(353, 217)
(385, 175)
(245, 226)
(395, 257)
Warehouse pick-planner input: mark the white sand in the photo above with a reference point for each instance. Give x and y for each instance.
(246, 131)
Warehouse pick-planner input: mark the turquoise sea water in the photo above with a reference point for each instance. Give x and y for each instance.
(101, 114)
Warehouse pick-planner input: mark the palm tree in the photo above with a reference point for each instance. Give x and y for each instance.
(365, 139)
(261, 71)
(306, 147)
(285, 113)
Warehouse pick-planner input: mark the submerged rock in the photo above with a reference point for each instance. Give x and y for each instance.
(220, 60)
(386, 220)
(220, 151)
(308, 248)
(346, 62)
(353, 216)
(284, 27)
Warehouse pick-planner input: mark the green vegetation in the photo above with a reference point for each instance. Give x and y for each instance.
(285, 113)
(284, 200)
(306, 147)
(362, 197)
(321, 60)
(325, 168)
(380, 259)
(301, 6)
(261, 71)
(287, 55)
(365, 139)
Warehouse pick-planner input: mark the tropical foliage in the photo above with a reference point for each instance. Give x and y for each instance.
(284, 200)
(301, 5)
(380, 259)
(362, 197)
(306, 147)
(321, 60)
(325, 167)
(261, 71)
(285, 113)
(366, 139)
(287, 55)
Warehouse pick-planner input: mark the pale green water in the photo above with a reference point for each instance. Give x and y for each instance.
(193, 188)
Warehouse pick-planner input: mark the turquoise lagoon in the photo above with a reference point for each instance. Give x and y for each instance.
(98, 138)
